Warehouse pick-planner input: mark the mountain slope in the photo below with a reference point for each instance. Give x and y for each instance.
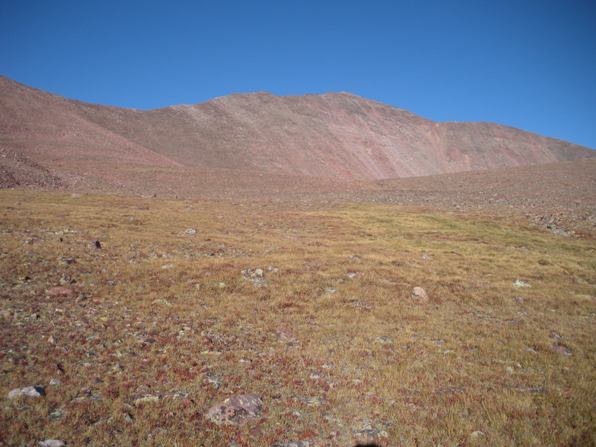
(330, 136)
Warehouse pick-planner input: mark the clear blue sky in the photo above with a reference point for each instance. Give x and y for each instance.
(529, 64)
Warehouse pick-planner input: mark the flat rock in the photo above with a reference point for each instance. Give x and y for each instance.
(236, 410)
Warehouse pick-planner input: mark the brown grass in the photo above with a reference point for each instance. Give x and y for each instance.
(478, 357)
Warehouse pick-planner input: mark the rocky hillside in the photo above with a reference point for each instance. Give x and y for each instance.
(331, 136)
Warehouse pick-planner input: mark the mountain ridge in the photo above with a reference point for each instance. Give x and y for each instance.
(335, 136)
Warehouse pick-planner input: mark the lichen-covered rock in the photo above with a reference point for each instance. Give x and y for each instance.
(236, 410)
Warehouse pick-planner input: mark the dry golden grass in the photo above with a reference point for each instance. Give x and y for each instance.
(157, 313)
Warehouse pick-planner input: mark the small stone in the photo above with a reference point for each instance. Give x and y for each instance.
(55, 292)
(419, 294)
(519, 283)
(29, 391)
(147, 399)
(214, 380)
(55, 382)
(509, 370)
(286, 335)
(476, 436)
(311, 401)
(51, 443)
(167, 266)
(98, 245)
(562, 349)
(351, 275)
(369, 435)
(294, 444)
(57, 414)
(555, 336)
(384, 340)
(236, 410)
(256, 276)
(190, 231)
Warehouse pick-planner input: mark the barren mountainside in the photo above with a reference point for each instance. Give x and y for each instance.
(335, 136)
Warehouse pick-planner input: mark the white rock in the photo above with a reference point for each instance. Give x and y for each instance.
(29, 391)
(419, 294)
(190, 231)
(519, 283)
(51, 443)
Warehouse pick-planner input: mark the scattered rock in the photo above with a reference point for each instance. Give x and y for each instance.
(58, 291)
(330, 290)
(190, 231)
(476, 436)
(562, 349)
(294, 444)
(57, 414)
(384, 340)
(519, 299)
(29, 391)
(55, 382)
(98, 245)
(147, 399)
(236, 410)
(419, 295)
(519, 283)
(256, 276)
(352, 275)
(167, 266)
(369, 435)
(359, 304)
(214, 380)
(66, 279)
(555, 336)
(68, 260)
(311, 401)
(51, 443)
(286, 335)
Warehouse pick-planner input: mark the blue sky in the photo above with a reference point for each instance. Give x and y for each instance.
(528, 64)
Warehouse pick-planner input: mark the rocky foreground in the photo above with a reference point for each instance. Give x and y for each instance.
(130, 321)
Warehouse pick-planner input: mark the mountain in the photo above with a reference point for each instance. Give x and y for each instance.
(49, 140)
